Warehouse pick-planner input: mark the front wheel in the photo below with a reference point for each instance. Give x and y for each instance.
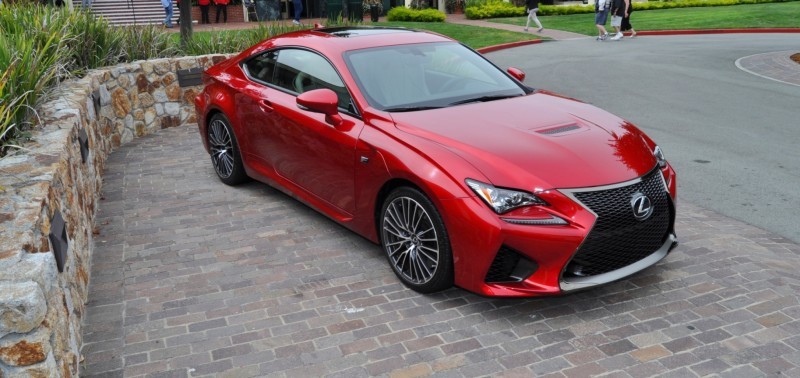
(415, 241)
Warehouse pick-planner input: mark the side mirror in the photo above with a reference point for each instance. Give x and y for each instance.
(322, 101)
(516, 73)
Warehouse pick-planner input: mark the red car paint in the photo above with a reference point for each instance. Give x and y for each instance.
(511, 143)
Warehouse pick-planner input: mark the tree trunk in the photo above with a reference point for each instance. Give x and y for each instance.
(186, 22)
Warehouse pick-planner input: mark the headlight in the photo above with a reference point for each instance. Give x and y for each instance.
(503, 200)
(662, 161)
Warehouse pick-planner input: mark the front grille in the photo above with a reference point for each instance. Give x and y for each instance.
(618, 239)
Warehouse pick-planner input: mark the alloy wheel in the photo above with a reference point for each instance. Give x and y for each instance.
(221, 146)
(410, 240)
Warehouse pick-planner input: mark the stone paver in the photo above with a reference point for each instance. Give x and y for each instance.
(777, 66)
(194, 278)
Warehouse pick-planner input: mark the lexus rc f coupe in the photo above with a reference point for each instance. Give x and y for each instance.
(460, 172)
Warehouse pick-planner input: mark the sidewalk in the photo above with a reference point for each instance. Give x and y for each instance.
(557, 35)
(202, 279)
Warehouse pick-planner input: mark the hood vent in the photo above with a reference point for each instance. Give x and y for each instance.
(558, 129)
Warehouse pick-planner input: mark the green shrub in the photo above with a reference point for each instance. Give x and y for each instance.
(146, 42)
(233, 42)
(32, 42)
(479, 9)
(415, 15)
(494, 9)
(99, 44)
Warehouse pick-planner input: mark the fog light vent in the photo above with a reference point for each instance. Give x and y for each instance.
(510, 266)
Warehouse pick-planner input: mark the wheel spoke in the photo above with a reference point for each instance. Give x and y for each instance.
(422, 267)
(421, 252)
(398, 249)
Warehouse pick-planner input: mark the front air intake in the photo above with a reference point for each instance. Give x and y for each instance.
(509, 266)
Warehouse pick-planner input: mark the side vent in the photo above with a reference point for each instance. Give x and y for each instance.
(558, 130)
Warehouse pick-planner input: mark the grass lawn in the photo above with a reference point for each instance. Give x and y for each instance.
(779, 15)
(472, 36)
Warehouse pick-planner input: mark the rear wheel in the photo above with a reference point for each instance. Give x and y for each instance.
(415, 241)
(225, 155)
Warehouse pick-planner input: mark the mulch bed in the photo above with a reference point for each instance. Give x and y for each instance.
(796, 58)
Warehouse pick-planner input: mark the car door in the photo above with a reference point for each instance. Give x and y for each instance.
(254, 109)
(299, 144)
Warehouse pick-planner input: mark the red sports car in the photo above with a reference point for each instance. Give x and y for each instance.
(463, 174)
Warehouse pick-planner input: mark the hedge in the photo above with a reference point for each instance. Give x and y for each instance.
(499, 8)
(415, 15)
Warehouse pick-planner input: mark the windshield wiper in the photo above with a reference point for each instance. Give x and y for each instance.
(483, 99)
(410, 108)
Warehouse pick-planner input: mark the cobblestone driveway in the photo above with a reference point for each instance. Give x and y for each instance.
(193, 278)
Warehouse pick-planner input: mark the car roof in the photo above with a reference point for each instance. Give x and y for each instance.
(357, 37)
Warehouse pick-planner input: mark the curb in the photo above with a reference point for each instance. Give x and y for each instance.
(717, 31)
(488, 49)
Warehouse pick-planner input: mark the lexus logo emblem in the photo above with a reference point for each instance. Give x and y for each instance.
(642, 207)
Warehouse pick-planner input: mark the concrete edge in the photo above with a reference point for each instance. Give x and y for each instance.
(488, 49)
(716, 31)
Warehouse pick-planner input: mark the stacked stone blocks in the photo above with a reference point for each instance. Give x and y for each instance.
(41, 309)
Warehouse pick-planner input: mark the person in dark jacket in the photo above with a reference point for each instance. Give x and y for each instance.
(626, 21)
(222, 8)
(204, 5)
(532, 7)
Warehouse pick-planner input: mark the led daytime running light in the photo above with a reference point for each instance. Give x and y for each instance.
(503, 200)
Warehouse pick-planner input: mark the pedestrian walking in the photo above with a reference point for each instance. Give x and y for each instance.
(601, 9)
(167, 4)
(626, 21)
(618, 10)
(204, 5)
(532, 7)
(222, 7)
(298, 8)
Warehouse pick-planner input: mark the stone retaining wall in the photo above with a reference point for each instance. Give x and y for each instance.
(41, 309)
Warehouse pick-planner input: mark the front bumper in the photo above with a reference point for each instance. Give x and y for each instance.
(479, 237)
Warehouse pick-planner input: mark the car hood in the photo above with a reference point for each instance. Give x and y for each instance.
(537, 142)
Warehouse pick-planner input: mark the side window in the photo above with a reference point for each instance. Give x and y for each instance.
(262, 67)
(301, 71)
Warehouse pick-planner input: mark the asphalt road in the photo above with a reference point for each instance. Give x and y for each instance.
(733, 137)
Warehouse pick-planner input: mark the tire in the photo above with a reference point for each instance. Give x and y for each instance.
(415, 241)
(224, 151)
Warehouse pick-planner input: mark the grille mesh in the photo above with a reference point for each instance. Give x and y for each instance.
(617, 238)
(502, 266)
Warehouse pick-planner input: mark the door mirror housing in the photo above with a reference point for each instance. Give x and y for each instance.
(322, 101)
(516, 73)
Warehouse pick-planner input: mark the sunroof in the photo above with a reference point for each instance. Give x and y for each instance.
(348, 32)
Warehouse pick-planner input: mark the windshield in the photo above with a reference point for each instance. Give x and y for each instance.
(425, 76)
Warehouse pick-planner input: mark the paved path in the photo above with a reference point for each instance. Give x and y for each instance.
(194, 278)
(550, 33)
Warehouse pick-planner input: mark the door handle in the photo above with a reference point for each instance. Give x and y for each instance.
(265, 105)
